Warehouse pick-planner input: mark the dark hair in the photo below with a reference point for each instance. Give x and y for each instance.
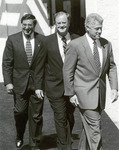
(29, 16)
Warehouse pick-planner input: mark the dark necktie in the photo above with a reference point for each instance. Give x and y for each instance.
(29, 51)
(96, 57)
(64, 44)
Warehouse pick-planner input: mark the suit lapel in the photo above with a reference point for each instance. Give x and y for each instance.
(89, 53)
(20, 46)
(104, 52)
(37, 45)
(56, 48)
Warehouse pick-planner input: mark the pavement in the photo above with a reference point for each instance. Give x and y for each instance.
(112, 109)
(110, 131)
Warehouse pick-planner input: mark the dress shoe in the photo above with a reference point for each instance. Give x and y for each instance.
(19, 143)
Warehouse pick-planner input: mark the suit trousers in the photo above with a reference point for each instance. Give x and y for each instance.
(61, 123)
(91, 134)
(35, 120)
(70, 113)
(28, 106)
(21, 113)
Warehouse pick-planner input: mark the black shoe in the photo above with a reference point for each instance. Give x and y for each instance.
(19, 143)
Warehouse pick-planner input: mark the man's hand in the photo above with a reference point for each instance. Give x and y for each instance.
(39, 94)
(114, 95)
(74, 100)
(9, 88)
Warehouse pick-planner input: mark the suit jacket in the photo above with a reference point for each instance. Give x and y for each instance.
(80, 73)
(16, 69)
(54, 75)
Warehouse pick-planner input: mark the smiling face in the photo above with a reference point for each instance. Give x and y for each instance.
(62, 24)
(28, 27)
(94, 30)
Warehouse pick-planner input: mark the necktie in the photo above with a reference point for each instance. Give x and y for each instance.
(29, 51)
(96, 57)
(64, 44)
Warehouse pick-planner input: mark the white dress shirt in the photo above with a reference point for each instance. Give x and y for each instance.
(60, 44)
(32, 40)
(90, 41)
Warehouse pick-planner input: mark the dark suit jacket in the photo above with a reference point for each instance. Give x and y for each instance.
(80, 73)
(16, 69)
(54, 76)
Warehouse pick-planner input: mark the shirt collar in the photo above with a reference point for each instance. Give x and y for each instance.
(91, 41)
(67, 36)
(31, 36)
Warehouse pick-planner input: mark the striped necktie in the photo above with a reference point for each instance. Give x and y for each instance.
(96, 57)
(29, 51)
(64, 44)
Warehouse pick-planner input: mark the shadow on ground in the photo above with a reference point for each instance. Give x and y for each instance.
(110, 133)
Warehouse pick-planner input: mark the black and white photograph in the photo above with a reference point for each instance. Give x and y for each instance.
(59, 75)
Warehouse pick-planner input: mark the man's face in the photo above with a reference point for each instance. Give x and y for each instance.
(62, 25)
(28, 27)
(95, 30)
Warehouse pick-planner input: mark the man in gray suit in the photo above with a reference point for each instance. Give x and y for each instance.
(21, 53)
(88, 60)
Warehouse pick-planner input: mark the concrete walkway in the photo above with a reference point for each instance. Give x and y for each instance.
(110, 132)
(112, 109)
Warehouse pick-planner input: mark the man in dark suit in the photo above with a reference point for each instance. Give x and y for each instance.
(88, 60)
(54, 85)
(19, 61)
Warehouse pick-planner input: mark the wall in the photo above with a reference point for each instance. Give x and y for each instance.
(108, 9)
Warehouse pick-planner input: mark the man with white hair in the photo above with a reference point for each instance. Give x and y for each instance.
(88, 60)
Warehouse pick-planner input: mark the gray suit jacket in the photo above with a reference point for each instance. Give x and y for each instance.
(80, 73)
